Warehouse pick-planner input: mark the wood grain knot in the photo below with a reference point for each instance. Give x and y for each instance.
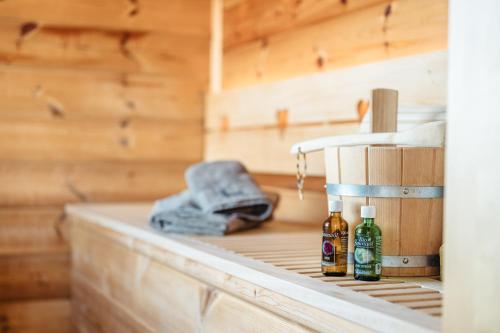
(135, 8)
(55, 110)
(282, 118)
(26, 28)
(224, 123)
(124, 123)
(388, 10)
(362, 108)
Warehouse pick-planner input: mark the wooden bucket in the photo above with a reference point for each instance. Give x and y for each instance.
(406, 186)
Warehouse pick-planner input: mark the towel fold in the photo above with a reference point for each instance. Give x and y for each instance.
(221, 198)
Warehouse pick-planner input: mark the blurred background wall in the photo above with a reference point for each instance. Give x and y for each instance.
(99, 101)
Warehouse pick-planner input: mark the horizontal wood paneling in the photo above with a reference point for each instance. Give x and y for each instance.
(268, 150)
(89, 140)
(313, 207)
(224, 315)
(248, 20)
(34, 94)
(109, 50)
(332, 96)
(34, 253)
(33, 231)
(94, 312)
(163, 299)
(313, 183)
(387, 30)
(40, 316)
(92, 48)
(34, 276)
(99, 101)
(177, 16)
(55, 183)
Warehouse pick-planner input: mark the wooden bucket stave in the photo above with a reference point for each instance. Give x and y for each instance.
(411, 227)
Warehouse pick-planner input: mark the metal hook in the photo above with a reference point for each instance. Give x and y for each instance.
(301, 172)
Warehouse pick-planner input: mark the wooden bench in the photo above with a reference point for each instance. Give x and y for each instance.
(127, 277)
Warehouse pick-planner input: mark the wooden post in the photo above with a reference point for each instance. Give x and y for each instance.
(472, 263)
(384, 110)
(216, 46)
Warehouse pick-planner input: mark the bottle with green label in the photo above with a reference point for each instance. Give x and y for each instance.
(334, 244)
(367, 247)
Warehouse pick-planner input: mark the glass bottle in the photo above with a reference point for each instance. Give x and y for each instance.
(335, 238)
(367, 247)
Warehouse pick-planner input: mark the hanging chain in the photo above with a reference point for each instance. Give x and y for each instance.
(301, 172)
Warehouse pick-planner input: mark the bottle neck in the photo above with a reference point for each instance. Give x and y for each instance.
(335, 214)
(368, 221)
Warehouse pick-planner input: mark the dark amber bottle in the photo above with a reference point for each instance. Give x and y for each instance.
(335, 239)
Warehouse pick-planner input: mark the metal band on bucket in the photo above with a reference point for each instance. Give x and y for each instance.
(404, 261)
(385, 191)
(411, 261)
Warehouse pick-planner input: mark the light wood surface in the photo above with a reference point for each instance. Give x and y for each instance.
(268, 150)
(158, 295)
(43, 93)
(371, 33)
(298, 297)
(34, 276)
(33, 230)
(472, 272)
(36, 316)
(319, 105)
(385, 167)
(89, 140)
(250, 20)
(300, 101)
(61, 182)
(291, 209)
(115, 15)
(421, 219)
(230, 284)
(331, 96)
(410, 227)
(96, 48)
(93, 312)
(384, 110)
(98, 101)
(216, 45)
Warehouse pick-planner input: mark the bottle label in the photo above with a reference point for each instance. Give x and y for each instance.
(367, 255)
(334, 248)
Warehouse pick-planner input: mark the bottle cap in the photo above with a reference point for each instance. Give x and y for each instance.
(334, 206)
(368, 212)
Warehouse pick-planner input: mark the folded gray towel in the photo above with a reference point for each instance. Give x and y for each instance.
(221, 198)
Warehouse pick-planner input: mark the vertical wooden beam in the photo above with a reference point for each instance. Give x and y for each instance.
(472, 263)
(216, 46)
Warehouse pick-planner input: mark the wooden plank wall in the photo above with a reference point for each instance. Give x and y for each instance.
(273, 40)
(296, 70)
(99, 101)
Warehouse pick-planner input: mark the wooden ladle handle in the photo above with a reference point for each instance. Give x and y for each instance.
(384, 110)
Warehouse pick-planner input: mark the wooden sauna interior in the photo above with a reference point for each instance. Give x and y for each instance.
(110, 101)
